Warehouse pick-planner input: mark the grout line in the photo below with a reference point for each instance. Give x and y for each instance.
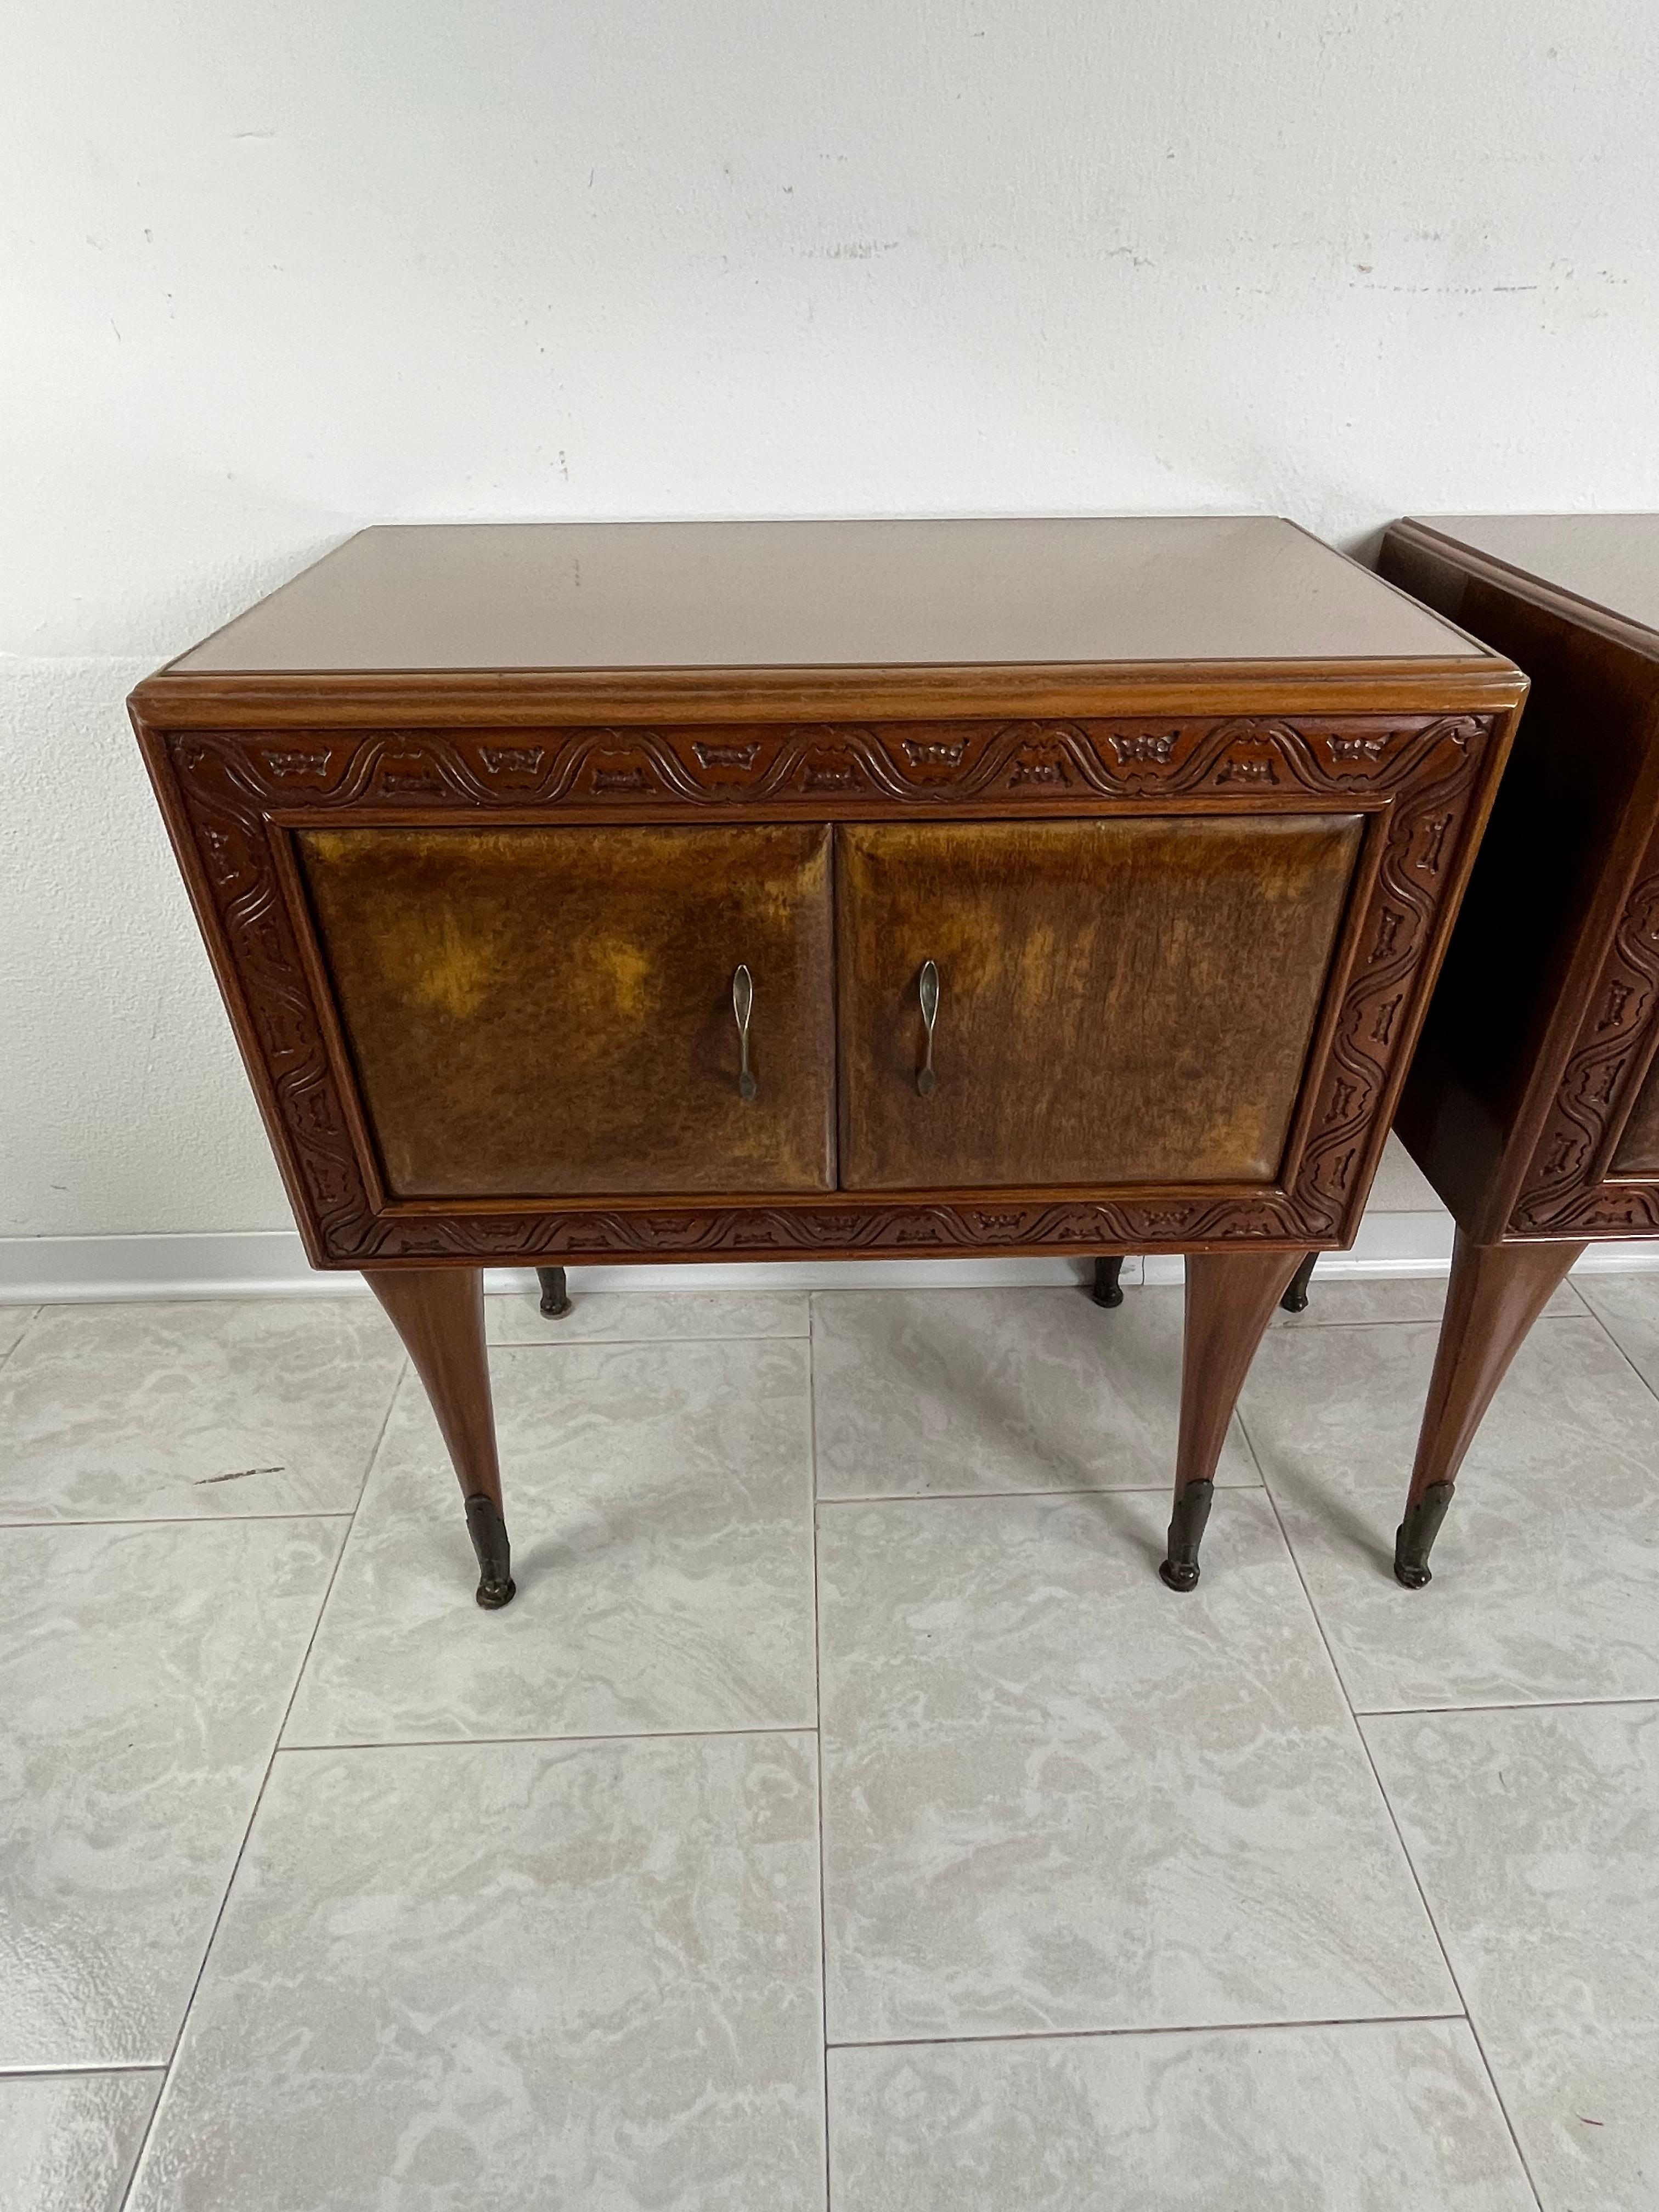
(405, 1374)
(817, 1738)
(1434, 1924)
(259, 1797)
(1411, 1864)
(52, 2073)
(1517, 1705)
(1082, 1490)
(1289, 1552)
(33, 1316)
(1181, 2027)
(187, 1520)
(1302, 1324)
(470, 1742)
(1401, 1321)
(1254, 1456)
(600, 1343)
(1495, 1705)
(1651, 1389)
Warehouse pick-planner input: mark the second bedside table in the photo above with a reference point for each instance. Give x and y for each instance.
(1532, 1103)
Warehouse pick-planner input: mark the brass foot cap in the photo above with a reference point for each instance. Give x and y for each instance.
(493, 1595)
(1180, 1574)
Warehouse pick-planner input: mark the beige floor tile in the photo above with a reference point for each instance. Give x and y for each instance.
(658, 1499)
(960, 1391)
(14, 1320)
(68, 2141)
(1395, 2117)
(1112, 1836)
(1058, 1796)
(1627, 1306)
(1392, 1297)
(143, 1674)
(1547, 1573)
(1536, 1839)
(204, 1406)
(516, 1975)
(645, 1316)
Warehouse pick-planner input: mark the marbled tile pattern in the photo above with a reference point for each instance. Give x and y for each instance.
(1547, 1571)
(511, 1976)
(114, 1412)
(1392, 1297)
(645, 1316)
(1627, 1307)
(542, 1920)
(143, 1675)
(1536, 1836)
(68, 2141)
(14, 1320)
(659, 1498)
(1055, 1799)
(944, 1392)
(1396, 2117)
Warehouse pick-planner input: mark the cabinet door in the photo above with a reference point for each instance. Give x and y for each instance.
(1119, 1002)
(547, 1011)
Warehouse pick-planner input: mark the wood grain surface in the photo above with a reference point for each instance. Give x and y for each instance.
(1120, 1001)
(1526, 1105)
(544, 1012)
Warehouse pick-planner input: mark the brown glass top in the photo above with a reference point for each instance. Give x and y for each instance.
(440, 596)
(1610, 559)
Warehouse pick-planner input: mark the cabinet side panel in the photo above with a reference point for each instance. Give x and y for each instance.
(1567, 824)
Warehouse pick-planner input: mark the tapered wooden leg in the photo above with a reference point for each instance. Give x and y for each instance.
(1108, 1291)
(555, 1295)
(439, 1313)
(1294, 1299)
(1230, 1297)
(1495, 1293)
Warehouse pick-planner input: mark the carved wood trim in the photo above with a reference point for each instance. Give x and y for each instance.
(935, 764)
(1423, 774)
(1563, 1192)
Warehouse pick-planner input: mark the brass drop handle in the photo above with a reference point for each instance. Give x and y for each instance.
(927, 1080)
(743, 1005)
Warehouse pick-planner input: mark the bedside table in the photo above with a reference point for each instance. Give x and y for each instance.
(1532, 1107)
(770, 890)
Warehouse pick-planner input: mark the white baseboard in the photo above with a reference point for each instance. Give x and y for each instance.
(266, 1263)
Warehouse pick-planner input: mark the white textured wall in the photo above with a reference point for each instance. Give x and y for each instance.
(274, 270)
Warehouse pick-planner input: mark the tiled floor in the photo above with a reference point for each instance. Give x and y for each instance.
(319, 1888)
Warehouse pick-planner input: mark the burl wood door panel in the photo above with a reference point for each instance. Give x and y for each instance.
(1119, 1002)
(547, 1011)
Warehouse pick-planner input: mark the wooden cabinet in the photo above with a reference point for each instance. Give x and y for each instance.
(1532, 1106)
(484, 825)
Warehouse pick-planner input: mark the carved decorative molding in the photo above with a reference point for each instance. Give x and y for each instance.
(874, 1228)
(1424, 769)
(1425, 833)
(1563, 1192)
(920, 764)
